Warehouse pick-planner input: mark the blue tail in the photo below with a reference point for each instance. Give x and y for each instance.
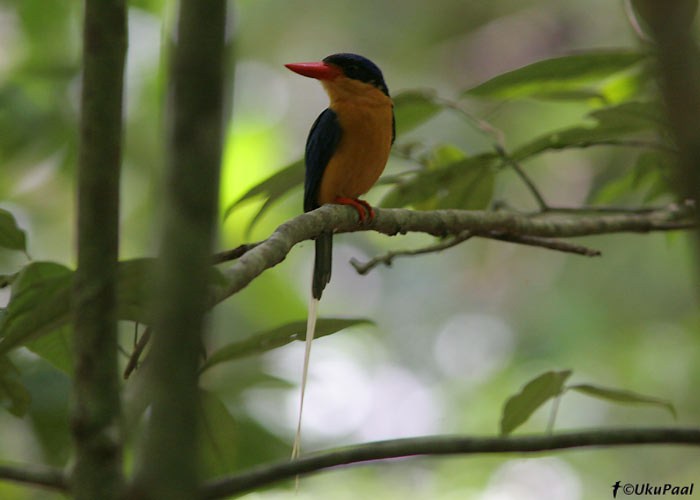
(322, 264)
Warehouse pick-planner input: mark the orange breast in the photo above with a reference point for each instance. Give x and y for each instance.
(363, 149)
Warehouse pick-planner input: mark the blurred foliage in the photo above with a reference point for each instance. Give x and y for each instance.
(260, 342)
(550, 385)
(476, 86)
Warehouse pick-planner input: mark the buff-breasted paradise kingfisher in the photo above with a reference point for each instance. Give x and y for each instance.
(346, 152)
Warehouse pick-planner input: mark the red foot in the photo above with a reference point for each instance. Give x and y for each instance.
(370, 210)
(363, 208)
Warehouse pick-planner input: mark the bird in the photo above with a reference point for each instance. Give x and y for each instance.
(346, 152)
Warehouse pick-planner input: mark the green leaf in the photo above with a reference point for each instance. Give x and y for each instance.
(274, 186)
(282, 335)
(39, 304)
(444, 154)
(49, 413)
(631, 115)
(466, 183)
(14, 396)
(412, 108)
(135, 279)
(472, 190)
(623, 396)
(11, 236)
(7, 279)
(651, 175)
(555, 77)
(55, 347)
(229, 443)
(535, 393)
(218, 436)
(611, 123)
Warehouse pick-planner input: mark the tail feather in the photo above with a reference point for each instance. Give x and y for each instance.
(321, 277)
(310, 330)
(322, 264)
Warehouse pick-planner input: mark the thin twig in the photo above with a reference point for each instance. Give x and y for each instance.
(550, 243)
(388, 257)
(481, 124)
(544, 207)
(47, 477)
(443, 445)
(629, 143)
(138, 350)
(536, 241)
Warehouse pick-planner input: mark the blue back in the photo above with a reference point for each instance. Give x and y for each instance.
(320, 146)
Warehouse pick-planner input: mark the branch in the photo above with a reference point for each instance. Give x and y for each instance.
(47, 477)
(552, 244)
(626, 143)
(678, 63)
(602, 209)
(167, 462)
(96, 412)
(232, 254)
(136, 354)
(544, 207)
(339, 219)
(443, 445)
(388, 258)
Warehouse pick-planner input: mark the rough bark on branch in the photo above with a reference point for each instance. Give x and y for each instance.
(341, 219)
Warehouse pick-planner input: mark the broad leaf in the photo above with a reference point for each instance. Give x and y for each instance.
(264, 341)
(55, 347)
(557, 76)
(611, 123)
(135, 290)
(40, 303)
(14, 396)
(466, 183)
(11, 236)
(218, 436)
(651, 175)
(622, 396)
(472, 190)
(412, 108)
(520, 407)
(49, 413)
(274, 187)
(229, 442)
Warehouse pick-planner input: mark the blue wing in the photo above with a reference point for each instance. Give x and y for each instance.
(320, 146)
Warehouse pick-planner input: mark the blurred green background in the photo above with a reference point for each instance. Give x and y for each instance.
(456, 333)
